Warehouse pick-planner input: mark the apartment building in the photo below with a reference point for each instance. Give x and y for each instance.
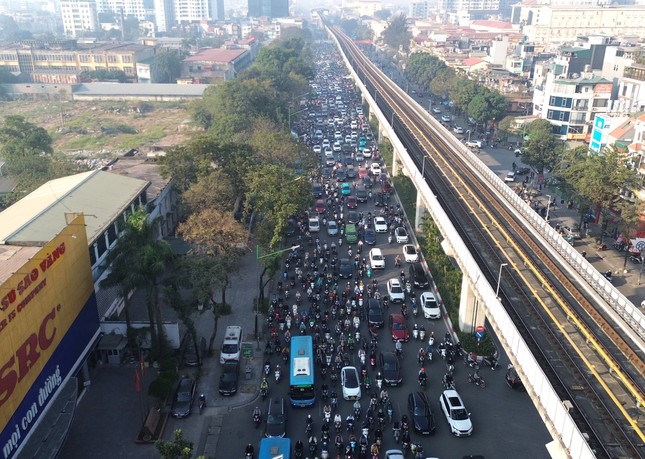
(631, 90)
(63, 61)
(213, 65)
(134, 8)
(571, 104)
(553, 24)
(79, 17)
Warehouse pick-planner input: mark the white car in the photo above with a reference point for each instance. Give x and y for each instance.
(329, 151)
(375, 169)
(367, 153)
(336, 147)
(377, 260)
(436, 110)
(510, 177)
(314, 224)
(317, 149)
(380, 225)
(410, 253)
(458, 130)
(430, 306)
(394, 454)
(332, 228)
(395, 291)
(456, 414)
(474, 143)
(401, 235)
(350, 382)
(446, 118)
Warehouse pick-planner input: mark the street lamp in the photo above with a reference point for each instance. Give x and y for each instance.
(499, 279)
(468, 131)
(548, 207)
(259, 257)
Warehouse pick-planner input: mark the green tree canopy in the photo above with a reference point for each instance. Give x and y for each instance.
(542, 150)
(383, 14)
(422, 68)
(396, 35)
(168, 64)
(487, 105)
(441, 84)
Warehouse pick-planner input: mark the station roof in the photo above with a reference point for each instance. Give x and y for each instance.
(39, 216)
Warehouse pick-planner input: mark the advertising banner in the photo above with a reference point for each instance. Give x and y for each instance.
(48, 318)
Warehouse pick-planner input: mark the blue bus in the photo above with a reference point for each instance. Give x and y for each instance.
(302, 391)
(275, 448)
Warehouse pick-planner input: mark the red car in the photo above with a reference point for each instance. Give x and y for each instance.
(320, 206)
(352, 203)
(386, 186)
(398, 328)
(362, 172)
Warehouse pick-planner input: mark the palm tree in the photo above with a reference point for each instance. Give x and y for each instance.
(137, 261)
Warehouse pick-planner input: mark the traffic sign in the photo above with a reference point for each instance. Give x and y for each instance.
(479, 331)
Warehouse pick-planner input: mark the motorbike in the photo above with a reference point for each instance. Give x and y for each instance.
(267, 368)
(379, 380)
(324, 451)
(415, 332)
(477, 381)
(202, 403)
(512, 378)
(422, 333)
(448, 382)
(475, 361)
(257, 418)
(372, 359)
(264, 393)
(334, 400)
(423, 380)
(277, 374)
(415, 310)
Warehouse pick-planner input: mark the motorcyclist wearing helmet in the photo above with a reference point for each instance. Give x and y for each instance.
(250, 451)
(264, 385)
(422, 375)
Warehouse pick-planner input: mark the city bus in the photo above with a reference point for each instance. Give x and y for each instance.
(301, 372)
(275, 448)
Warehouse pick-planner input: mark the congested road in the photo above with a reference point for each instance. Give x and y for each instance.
(337, 131)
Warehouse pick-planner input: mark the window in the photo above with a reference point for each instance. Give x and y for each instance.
(84, 57)
(562, 115)
(563, 102)
(111, 59)
(98, 58)
(549, 115)
(552, 101)
(126, 59)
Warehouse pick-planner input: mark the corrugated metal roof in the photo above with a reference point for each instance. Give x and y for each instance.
(135, 89)
(40, 215)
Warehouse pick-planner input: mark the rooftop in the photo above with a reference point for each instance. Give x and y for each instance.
(40, 215)
(135, 89)
(216, 55)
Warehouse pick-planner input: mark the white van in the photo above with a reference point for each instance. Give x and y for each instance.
(314, 224)
(232, 344)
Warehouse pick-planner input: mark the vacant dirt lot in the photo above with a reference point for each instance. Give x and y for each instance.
(106, 129)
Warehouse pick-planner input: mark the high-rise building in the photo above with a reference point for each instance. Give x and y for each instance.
(164, 15)
(269, 8)
(418, 10)
(79, 16)
(134, 8)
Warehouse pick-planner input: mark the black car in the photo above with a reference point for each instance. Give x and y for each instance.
(352, 217)
(369, 236)
(381, 200)
(341, 175)
(420, 413)
(317, 190)
(276, 418)
(182, 404)
(375, 313)
(351, 172)
(345, 268)
(367, 182)
(348, 160)
(418, 276)
(361, 194)
(522, 171)
(325, 172)
(390, 368)
(229, 379)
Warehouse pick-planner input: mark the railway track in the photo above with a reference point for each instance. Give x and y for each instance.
(588, 361)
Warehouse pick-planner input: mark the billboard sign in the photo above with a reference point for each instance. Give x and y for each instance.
(48, 321)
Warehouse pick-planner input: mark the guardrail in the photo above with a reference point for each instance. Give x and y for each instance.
(552, 410)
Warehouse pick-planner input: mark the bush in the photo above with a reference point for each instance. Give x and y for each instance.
(484, 347)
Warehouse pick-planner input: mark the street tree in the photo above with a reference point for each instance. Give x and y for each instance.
(505, 127)
(396, 35)
(542, 150)
(213, 190)
(441, 84)
(138, 260)
(630, 212)
(601, 178)
(205, 275)
(276, 193)
(487, 105)
(213, 231)
(422, 68)
(462, 92)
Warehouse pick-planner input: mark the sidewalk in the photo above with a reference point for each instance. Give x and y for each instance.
(625, 277)
(243, 289)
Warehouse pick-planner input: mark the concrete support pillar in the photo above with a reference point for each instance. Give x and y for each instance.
(380, 135)
(394, 170)
(421, 211)
(471, 311)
